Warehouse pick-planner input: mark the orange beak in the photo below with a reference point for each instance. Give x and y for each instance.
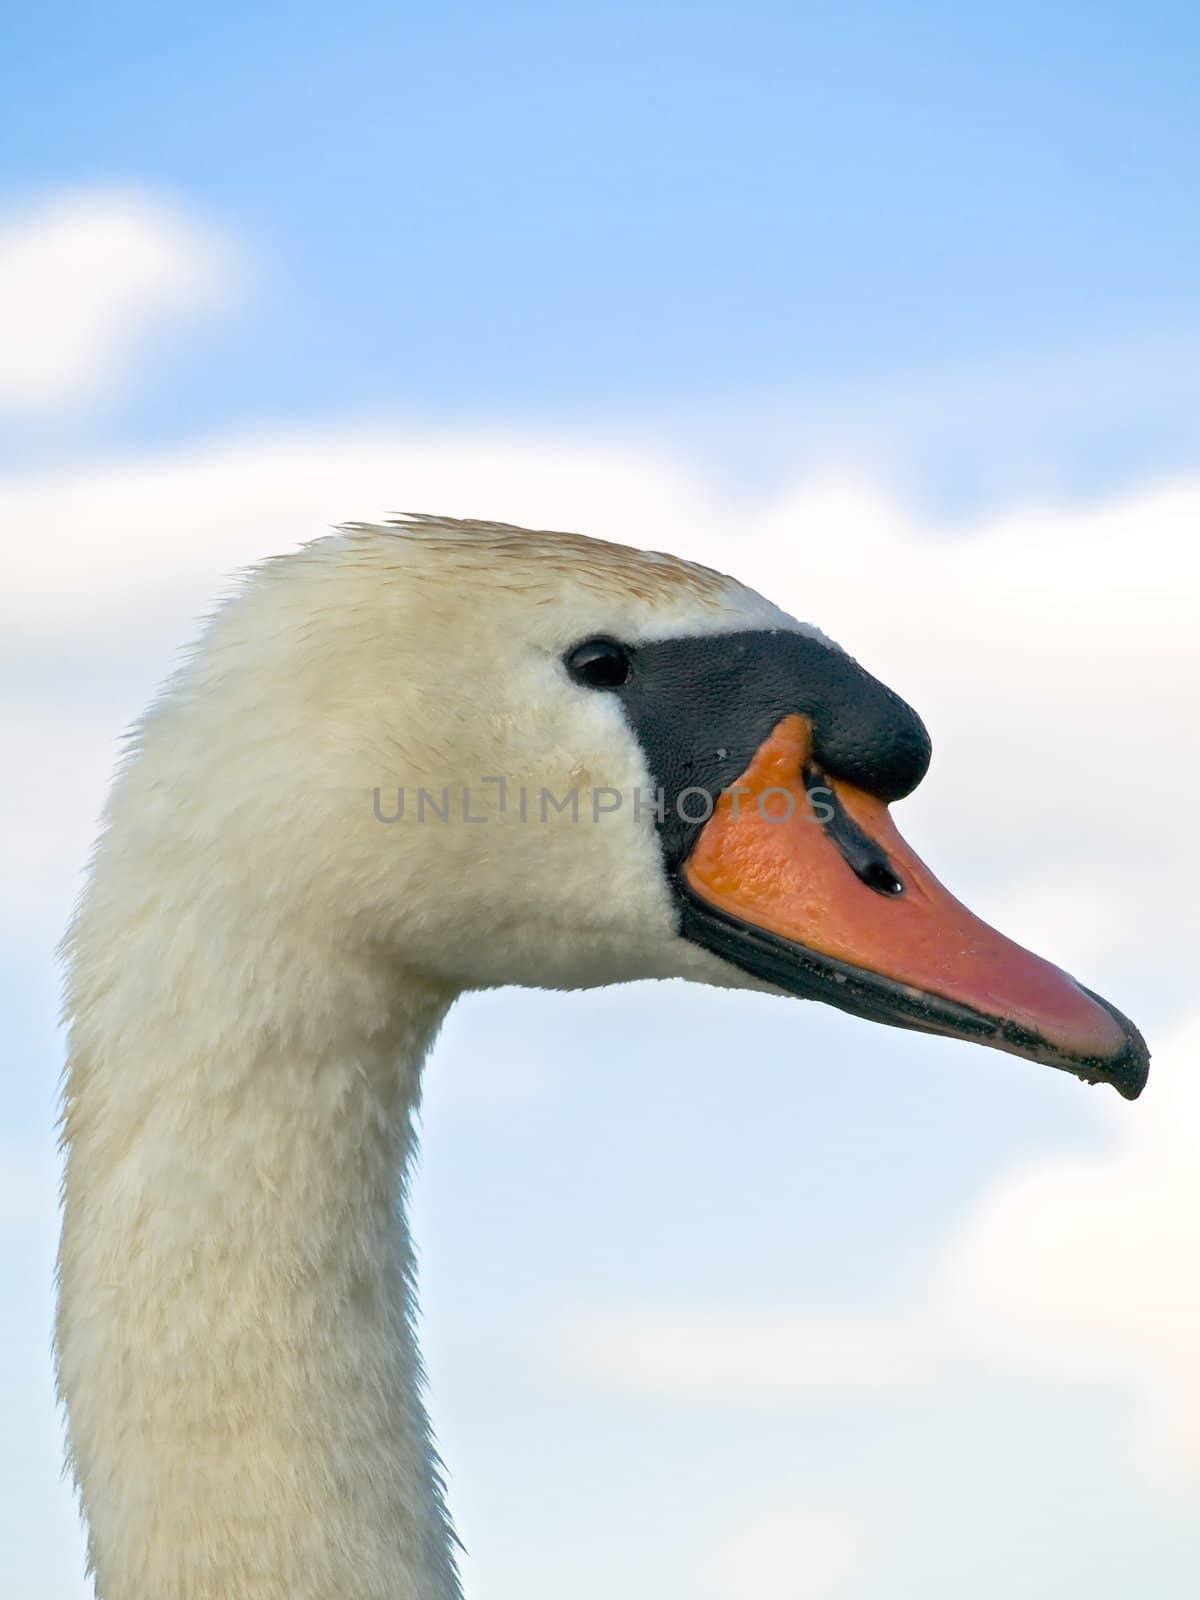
(804, 880)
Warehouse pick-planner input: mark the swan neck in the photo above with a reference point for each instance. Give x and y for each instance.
(235, 1340)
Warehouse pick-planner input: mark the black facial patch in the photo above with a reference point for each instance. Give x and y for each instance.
(701, 707)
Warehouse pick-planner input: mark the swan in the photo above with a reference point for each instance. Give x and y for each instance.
(350, 804)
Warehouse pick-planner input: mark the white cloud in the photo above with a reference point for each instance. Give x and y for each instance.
(1078, 1269)
(1083, 1268)
(796, 1553)
(683, 1351)
(1053, 654)
(86, 277)
(1033, 416)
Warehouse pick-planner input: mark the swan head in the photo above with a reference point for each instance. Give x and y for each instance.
(495, 756)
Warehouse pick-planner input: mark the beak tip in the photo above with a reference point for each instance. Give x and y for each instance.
(1132, 1070)
(1129, 1069)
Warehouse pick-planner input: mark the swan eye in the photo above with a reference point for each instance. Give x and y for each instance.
(599, 664)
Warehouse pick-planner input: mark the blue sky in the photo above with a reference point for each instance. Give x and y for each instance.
(582, 213)
(811, 293)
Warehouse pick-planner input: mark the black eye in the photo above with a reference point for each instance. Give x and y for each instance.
(599, 664)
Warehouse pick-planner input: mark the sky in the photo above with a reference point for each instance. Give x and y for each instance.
(895, 315)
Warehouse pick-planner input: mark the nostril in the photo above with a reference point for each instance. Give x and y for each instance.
(864, 856)
(879, 876)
